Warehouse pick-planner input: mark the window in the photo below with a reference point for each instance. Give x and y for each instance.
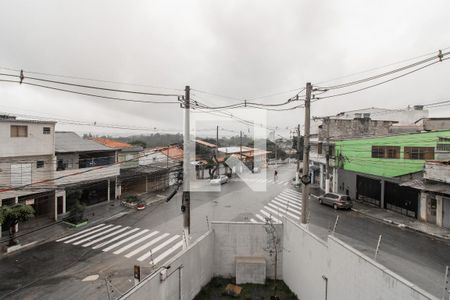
(46, 130)
(385, 151)
(422, 153)
(40, 164)
(443, 147)
(319, 148)
(19, 131)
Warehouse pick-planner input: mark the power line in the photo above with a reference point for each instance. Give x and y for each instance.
(380, 67)
(23, 77)
(91, 123)
(92, 79)
(91, 95)
(339, 86)
(377, 84)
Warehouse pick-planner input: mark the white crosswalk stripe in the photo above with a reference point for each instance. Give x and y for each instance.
(105, 237)
(136, 242)
(78, 233)
(116, 238)
(286, 206)
(167, 253)
(159, 247)
(125, 240)
(90, 237)
(275, 207)
(87, 234)
(286, 203)
(260, 217)
(270, 216)
(146, 245)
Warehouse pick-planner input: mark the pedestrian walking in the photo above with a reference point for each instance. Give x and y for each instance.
(275, 175)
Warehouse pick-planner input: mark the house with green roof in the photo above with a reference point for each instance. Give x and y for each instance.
(376, 169)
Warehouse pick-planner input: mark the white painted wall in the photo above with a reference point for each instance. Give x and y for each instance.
(242, 239)
(351, 274)
(437, 171)
(37, 174)
(36, 143)
(307, 261)
(196, 271)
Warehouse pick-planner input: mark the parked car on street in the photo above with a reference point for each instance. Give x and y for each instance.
(219, 180)
(336, 200)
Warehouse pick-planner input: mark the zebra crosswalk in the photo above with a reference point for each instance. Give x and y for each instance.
(286, 204)
(141, 244)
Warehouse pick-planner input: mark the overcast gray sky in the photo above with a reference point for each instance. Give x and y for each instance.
(238, 48)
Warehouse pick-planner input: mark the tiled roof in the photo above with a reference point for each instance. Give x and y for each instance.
(112, 143)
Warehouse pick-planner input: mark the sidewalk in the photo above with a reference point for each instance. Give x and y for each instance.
(393, 218)
(94, 214)
(401, 221)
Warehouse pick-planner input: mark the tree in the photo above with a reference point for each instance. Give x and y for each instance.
(10, 216)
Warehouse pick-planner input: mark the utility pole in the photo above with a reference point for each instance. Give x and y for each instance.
(186, 204)
(217, 149)
(217, 137)
(298, 155)
(305, 176)
(327, 156)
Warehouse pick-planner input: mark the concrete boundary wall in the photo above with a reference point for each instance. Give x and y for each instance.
(314, 269)
(233, 239)
(192, 267)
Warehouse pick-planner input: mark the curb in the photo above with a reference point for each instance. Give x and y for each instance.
(401, 225)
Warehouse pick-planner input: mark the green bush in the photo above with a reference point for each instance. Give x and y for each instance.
(76, 214)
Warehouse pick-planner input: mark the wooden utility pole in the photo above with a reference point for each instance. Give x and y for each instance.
(305, 176)
(217, 137)
(298, 154)
(327, 157)
(240, 151)
(186, 205)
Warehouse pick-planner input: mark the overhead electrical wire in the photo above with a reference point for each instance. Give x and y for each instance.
(22, 77)
(90, 94)
(92, 79)
(377, 84)
(380, 67)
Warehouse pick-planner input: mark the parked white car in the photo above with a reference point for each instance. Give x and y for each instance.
(220, 180)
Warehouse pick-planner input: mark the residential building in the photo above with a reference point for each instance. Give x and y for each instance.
(127, 155)
(373, 169)
(434, 190)
(87, 167)
(27, 156)
(156, 171)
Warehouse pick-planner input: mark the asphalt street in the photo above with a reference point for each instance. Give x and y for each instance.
(55, 270)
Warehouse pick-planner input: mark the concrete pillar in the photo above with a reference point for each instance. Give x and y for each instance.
(423, 206)
(17, 225)
(1, 224)
(334, 183)
(118, 189)
(439, 210)
(64, 209)
(146, 184)
(109, 190)
(321, 178)
(56, 206)
(382, 194)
